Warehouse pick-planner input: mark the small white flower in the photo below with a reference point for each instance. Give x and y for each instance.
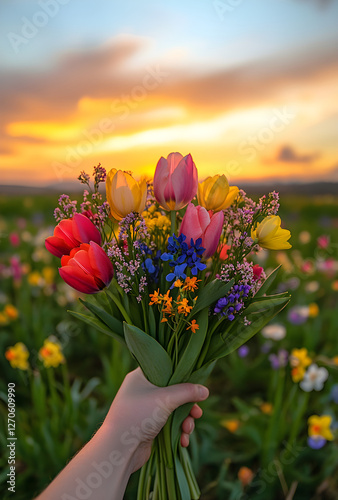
(314, 378)
(274, 331)
(312, 286)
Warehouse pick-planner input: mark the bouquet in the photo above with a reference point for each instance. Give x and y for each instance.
(167, 266)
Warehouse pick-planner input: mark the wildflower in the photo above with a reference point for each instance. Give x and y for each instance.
(299, 361)
(279, 360)
(18, 356)
(245, 475)
(266, 408)
(48, 274)
(214, 193)
(178, 283)
(231, 425)
(298, 315)
(35, 279)
(191, 284)
(223, 251)
(183, 306)
(314, 378)
(335, 360)
(320, 426)
(304, 237)
(11, 312)
(124, 194)
(70, 233)
(316, 442)
(155, 297)
(334, 285)
(51, 353)
(193, 326)
(313, 310)
(270, 235)
(198, 223)
(274, 331)
(14, 239)
(233, 303)
(175, 181)
(312, 286)
(87, 269)
(323, 241)
(243, 351)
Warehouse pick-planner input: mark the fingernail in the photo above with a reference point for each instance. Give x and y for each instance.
(203, 392)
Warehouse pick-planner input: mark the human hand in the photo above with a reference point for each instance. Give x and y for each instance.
(140, 410)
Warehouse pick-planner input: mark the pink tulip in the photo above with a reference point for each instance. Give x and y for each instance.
(175, 181)
(87, 269)
(70, 233)
(199, 223)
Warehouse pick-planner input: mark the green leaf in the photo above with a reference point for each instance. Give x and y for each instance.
(152, 322)
(259, 313)
(98, 324)
(268, 282)
(114, 324)
(211, 293)
(192, 350)
(150, 355)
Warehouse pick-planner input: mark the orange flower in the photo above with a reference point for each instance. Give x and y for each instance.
(155, 297)
(183, 307)
(190, 284)
(266, 408)
(178, 283)
(231, 425)
(245, 475)
(193, 326)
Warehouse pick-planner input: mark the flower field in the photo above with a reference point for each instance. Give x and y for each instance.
(271, 426)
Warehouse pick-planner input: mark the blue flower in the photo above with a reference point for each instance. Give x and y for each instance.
(316, 442)
(177, 273)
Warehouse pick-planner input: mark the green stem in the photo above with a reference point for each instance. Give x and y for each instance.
(173, 221)
(120, 307)
(271, 438)
(297, 421)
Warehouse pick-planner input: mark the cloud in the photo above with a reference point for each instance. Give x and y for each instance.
(287, 154)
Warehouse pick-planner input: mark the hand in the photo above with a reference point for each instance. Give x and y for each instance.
(140, 410)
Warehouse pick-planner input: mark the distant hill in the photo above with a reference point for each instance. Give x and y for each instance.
(256, 188)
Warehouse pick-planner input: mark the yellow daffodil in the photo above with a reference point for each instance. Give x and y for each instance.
(214, 193)
(270, 235)
(51, 354)
(320, 426)
(299, 361)
(11, 312)
(124, 194)
(18, 356)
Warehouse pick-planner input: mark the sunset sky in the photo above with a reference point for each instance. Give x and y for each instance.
(249, 88)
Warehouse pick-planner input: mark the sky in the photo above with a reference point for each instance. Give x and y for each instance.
(248, 87)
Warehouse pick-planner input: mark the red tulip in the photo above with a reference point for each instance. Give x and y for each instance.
(70, 233)
(257, 271)
(87, 269)
(175, 181)
(199, 223)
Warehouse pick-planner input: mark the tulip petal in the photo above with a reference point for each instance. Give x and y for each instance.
(190, 225)
(78, 279)
(64, 230)
(203, 218)
(232, 195)
(212, 234)
(84, 230)
(100, 263)
(57, 246)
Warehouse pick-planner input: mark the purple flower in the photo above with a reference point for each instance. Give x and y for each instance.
(243, 351)
(266, 347)
(298, 315)
(316, 442)
(279, 360)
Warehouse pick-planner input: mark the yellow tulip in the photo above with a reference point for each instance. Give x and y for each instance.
(215, 194)
(270, 235)
(124, 194)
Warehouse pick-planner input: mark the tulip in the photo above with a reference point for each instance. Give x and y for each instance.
(215, 194)
(270, 235)
(70, 233)
(124, 194)
(199, 223)
(87, 269)
(175, 181)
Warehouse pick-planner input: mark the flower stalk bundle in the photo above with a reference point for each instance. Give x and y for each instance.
(167, 266)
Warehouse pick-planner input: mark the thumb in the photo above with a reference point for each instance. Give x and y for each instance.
(179, 394)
